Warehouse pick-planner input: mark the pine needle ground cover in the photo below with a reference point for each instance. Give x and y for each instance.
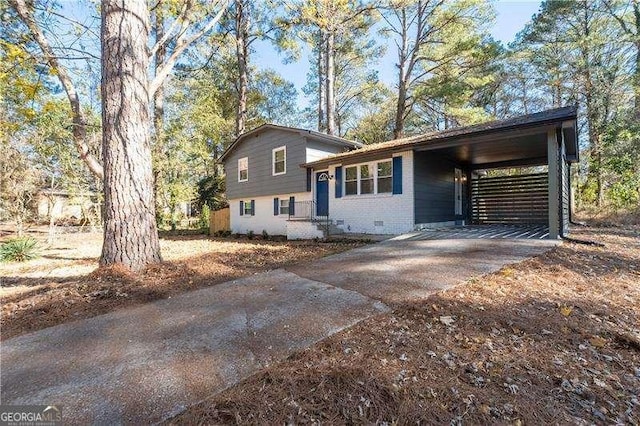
(64, 284)
(554, 339)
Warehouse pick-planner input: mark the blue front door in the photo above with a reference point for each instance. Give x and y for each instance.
(322, 194)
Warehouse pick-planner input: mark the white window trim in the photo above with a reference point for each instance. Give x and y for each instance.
(280, 206)
(373, 166)
(273, 160)
(390, 176)
(239, 160)
(357, 180)
(244, 206)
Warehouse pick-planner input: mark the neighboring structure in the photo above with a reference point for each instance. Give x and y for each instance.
(286, 181)
(61, 204)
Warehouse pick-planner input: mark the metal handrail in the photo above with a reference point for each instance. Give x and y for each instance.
(303, 210)
(306, 210)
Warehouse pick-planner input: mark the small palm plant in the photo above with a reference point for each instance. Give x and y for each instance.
(19, 250)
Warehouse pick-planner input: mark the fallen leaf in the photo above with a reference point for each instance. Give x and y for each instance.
(566, 310)
(597, 342)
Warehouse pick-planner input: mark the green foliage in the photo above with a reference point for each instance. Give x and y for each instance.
(19, 250)
(211, 192)
(621, 165)
(446, 62)
(18, 183)
(251, 235)
(375, 126)
(273, 100)
(35, 132)
(265, 235)
(205, 214)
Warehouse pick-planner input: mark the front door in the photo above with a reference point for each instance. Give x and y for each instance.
(322, 193)
(458, 192)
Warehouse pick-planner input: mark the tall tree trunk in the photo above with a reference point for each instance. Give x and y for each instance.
(321, 118)
(398, 128)
(330, 102)
(636, 75)
(158, 109)
(130, 232)
(525, 97)
(401, 104)
(636, 78)
(595, 167)
(242, 40)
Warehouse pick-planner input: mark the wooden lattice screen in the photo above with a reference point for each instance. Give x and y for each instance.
(510, 199)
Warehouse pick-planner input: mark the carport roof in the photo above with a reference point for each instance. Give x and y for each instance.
(519, 140)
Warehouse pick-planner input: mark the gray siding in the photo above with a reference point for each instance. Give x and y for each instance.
(258, 149)
(434, 188)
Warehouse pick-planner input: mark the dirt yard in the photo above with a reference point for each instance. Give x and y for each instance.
(64, 284)
(552, 340)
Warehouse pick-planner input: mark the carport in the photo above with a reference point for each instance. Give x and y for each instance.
(545, 143)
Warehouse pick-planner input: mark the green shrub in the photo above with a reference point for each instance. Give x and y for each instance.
(205, 213)
(265, 235)
(250, 235)
(19, 250)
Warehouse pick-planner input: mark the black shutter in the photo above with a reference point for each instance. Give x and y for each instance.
(339, 182)
(292, 206)
(397, 175)
(276, 206)
(241, 208)
(253, 207)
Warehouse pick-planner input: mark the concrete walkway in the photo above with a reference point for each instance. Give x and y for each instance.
(144, 364)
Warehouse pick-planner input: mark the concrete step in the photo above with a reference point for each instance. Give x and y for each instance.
(328, 228)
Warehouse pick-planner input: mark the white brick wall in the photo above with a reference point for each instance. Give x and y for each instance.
(264, 218)
(303, 230)
(360, 212)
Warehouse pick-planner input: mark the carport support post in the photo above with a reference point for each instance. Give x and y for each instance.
(554, 184)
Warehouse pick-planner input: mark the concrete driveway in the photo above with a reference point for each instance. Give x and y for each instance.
(412, 267)
(141, 365)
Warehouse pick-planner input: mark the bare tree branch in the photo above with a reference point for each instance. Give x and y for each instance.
(78, 116)
(182, 43)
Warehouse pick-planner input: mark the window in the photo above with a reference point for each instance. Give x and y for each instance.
(384, 177)
(366, 179)
(247, 208)
(370, 178)
(351, 180)
(280, 161)
(243, 169)
(284, 206)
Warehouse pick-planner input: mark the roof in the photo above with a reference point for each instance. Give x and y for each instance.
(303, 132)
(547, 117)
(65, 193)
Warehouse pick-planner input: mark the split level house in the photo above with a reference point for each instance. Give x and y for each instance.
(303, 183)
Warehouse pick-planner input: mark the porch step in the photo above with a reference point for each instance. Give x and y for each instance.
(308, 228)
(328, 228)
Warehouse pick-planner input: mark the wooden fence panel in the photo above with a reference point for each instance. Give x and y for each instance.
(220, 220)
(510, 199)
